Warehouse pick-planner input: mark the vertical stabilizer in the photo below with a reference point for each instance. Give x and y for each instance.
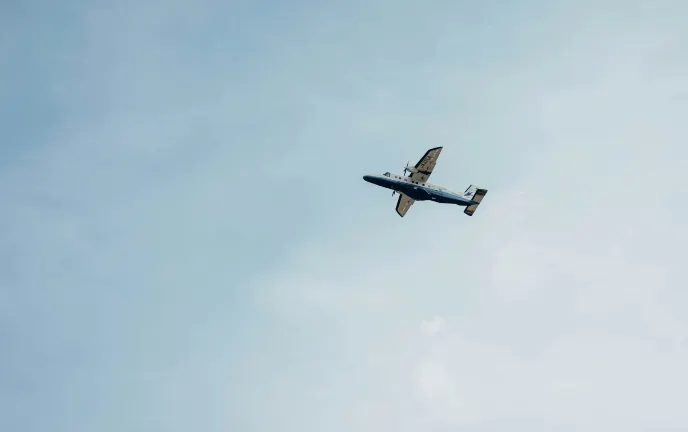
(470, 191)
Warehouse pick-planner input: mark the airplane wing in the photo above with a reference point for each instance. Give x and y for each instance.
(425, 165)
(404, 204)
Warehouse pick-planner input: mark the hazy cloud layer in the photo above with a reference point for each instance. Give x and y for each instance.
(187, 242)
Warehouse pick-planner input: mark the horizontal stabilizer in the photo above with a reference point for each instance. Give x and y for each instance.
(477, 197)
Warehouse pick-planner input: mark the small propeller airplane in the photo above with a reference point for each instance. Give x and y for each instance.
(414, 187)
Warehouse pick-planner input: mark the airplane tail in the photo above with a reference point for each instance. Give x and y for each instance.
(475, 194)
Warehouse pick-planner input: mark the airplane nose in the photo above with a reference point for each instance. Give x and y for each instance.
(367, 178)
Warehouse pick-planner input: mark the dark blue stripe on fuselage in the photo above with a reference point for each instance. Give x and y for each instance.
(418, 192)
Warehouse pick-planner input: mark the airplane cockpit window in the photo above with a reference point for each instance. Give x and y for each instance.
(386, 174)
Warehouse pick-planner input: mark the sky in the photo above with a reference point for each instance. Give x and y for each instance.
(187, 243)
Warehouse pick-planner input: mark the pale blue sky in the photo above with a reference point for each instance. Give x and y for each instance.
(187, 243)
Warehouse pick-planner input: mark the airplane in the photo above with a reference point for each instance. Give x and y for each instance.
(414, 187)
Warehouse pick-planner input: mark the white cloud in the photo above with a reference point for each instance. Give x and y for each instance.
(433, 326)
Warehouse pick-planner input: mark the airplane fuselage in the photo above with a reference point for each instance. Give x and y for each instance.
(418, 191)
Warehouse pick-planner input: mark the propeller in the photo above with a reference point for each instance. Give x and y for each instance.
(406, 167)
